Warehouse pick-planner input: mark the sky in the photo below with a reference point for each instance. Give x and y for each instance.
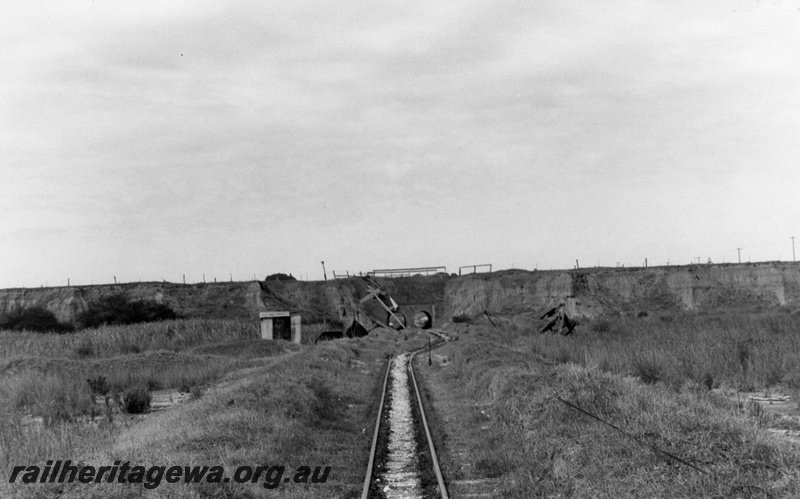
(151, 140)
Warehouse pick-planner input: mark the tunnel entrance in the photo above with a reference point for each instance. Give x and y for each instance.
(423, 319)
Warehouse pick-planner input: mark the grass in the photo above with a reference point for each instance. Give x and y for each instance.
(48, 376)
(276, 403)
(262, 403)
(109, 341)
(533, 445)
(734, 351)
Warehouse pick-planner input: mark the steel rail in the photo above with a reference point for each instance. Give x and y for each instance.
(434, 459)
(371, 464)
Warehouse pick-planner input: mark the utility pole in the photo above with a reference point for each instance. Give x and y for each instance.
(792, 238)
(324, 274)
(740, 254)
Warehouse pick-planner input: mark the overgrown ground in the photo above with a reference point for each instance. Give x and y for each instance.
(255, 403)
(493, 386)
(273, 403)
(732, 350)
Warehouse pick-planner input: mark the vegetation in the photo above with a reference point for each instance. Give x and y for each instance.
(461, 319)
(137, 399)
(119, 309)
(305, 404)
(35, 319)
(56, 377)
(280, 277)
(506, 422)
(315, 404)
(733, 351)
(110, 341)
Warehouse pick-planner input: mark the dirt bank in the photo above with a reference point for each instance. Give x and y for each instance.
(591, 292)
(587, 293)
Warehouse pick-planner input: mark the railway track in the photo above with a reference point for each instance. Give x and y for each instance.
(400, 408)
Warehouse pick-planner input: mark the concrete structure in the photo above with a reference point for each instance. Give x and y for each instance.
(413, 310)
(281, 326)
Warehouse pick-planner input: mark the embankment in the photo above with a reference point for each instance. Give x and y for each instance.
(337, 302)
(592, 292)
(586, 292)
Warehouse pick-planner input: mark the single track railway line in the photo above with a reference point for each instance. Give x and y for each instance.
(400, 476)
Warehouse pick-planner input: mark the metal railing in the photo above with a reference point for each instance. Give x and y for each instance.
(407, 272)
(475, 268)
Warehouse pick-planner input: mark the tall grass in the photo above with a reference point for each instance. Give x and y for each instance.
(312, 408)
(535, 445)
(109, 341)
(744, 352)
(57, 377)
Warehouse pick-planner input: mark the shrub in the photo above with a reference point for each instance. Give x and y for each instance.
(137, 400)
(461, 318)
(120, 309)
(601, 326)
(85, 349)
(708, 380)
(98, 385)
(280, 277)
(647, 368)
(563, 355)
(35, 319)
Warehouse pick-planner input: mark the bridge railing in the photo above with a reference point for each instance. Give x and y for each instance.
(474, 268)
(407, 272)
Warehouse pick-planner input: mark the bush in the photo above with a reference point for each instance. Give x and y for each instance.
(119, 309)
(280, 277)
(36, 319)
(85, 349)
(647, 368)
(601, 326)
(461, 318)
(98, 385)
(137, 400)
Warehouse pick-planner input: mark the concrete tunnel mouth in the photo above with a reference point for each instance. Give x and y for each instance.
(423, 319)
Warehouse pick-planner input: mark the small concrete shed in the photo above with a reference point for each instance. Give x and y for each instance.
(281, 325)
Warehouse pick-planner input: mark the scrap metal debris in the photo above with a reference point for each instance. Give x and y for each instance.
(560, 322)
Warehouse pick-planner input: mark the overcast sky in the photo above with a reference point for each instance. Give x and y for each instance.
(150, 139)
